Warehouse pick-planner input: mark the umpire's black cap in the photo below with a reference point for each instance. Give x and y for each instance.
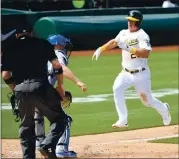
(24, 26)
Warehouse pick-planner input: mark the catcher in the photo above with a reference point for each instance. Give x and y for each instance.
(62, 47)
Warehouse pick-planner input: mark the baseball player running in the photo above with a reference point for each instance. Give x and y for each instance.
(61, 46)
(135, 45)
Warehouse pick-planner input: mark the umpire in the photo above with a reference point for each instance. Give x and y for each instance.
(24, 69)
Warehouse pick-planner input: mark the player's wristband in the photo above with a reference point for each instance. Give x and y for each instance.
(133, 50)
(102, 48)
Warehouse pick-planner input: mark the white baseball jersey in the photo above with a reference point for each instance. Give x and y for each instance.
(62, 60)
(141, 80)
(127, 40)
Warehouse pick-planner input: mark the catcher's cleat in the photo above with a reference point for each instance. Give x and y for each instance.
(119, 124)
(68, 154)
(167, 118)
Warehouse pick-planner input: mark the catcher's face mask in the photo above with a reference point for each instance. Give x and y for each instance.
(68, 48)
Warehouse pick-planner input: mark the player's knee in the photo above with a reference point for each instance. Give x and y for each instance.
(145, 100)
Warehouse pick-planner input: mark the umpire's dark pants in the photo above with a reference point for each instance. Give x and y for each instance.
(39, 126)
(46, 99)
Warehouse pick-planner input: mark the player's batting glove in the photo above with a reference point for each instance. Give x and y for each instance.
(97, 53)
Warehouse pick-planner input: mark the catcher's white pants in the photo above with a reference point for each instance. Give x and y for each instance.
(142, 84)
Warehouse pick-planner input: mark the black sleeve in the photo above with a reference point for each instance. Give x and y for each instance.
(50, 52)
(5, 62)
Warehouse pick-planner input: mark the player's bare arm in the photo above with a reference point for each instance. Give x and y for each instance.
(59, 75)
(6, 75)
(69, 75)
(109, 45)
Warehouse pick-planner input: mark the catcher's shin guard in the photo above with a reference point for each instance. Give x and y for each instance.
(63, 142)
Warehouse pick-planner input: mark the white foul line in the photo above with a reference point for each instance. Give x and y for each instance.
(140, 140)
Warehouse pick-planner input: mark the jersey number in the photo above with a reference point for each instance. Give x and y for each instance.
(133, 56)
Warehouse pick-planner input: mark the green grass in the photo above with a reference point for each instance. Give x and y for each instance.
(174, 140)
(97, 117)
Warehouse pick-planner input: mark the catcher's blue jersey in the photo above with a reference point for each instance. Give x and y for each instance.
(62, 58)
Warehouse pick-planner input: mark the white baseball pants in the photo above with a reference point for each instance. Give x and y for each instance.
(142, 84)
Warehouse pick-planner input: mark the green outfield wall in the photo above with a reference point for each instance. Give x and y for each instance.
(95, 30)
(90, 28)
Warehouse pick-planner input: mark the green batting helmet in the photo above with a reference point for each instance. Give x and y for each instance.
(136, 16)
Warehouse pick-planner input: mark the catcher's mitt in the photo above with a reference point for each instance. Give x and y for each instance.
(15, 109)
(67, 99)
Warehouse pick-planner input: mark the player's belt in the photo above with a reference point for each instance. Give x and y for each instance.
(134, 71)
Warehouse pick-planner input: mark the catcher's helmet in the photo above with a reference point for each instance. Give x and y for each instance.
(135, 15)
(57, 39)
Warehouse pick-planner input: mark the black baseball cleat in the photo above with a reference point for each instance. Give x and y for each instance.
(47, 153)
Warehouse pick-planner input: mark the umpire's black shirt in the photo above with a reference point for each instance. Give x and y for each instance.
(27, 58)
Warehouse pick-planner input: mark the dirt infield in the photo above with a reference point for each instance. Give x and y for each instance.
(118, 51)
(128, 144)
